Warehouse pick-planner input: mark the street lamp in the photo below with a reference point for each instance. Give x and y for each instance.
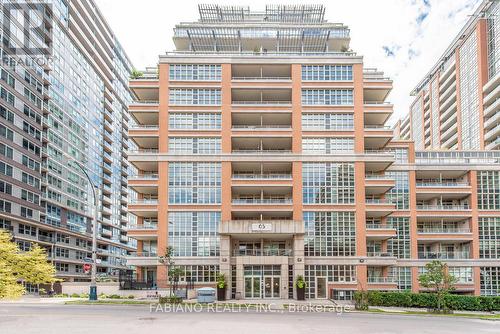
(93, 273)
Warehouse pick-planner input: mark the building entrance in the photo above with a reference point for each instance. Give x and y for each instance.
(262, 282)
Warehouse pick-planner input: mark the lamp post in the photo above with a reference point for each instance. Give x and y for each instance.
(93, 273)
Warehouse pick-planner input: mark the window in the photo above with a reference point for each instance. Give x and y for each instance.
(400, 194)
(194, 121)
(195, 72)
(328, 183)
(26, 212)
(30, 180)
(399, 246)
(327, 97)
(401, 155)
(489, 237)
(31, 130)
(490, 281)
(6, 114)
(5, 188)
(31, 147)
(333, 274)
(6, 132)
(27, 230)
(62, 252)
(6, 96)
(32, 114)
(8, 78)
(403, 277)
(5, 169)
(31, 164)
(327, 72)
(199, 274)
(30, 197)
(198, 182)
(190, 96)
(194, 145)
(327, 121)
(5, 206)
(462, 274)
(329, 234)
(32, 97)
(194, 233)
(488, 190)
(6, 151)
(63, 267)
(327, 145)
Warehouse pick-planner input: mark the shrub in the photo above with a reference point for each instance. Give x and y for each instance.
(131, 297)
(170, 300)
(430, 301)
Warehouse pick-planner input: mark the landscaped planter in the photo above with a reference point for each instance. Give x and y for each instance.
(301, 293)
(221, 294)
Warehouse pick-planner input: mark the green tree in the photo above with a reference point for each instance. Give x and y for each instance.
(167, 259)
(437, 279)
(136, 74)
(17, 267)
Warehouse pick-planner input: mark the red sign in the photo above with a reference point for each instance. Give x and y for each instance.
(86, 267)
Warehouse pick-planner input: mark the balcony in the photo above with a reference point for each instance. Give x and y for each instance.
(378, 184)
(377, 136)
(246, 75)
(380, 232)
(460, 255)
(143, 207)
(262, 252)
(376, 208)
(144, 183)
(435, 231)
(262, 200)
(146, 86)
(142, 259)
(145, 231)
(145, 112)
(380, 259)
(255, 228)
(261, 145)
(261, 97)
(377, 161)
(257, 176)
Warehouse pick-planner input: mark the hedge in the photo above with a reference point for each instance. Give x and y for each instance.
(429, 300)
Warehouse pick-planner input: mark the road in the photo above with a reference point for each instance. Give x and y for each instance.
(125, 319)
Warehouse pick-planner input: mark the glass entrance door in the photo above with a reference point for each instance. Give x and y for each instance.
(271, 287)
(253, 287)
(321, 287)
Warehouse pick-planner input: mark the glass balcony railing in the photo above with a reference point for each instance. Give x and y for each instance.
(444, 230)
(444, 255)
(270, 176)
(265, 200)
(441, 207)
(262, 252)
(382, 280)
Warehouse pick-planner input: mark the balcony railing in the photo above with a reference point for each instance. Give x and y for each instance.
(261, 102)
(143, 254)
(143, 127)
(242, 151)
(262, 201)
(378, 201)
(143, 201)
(378, 177)
(378, 227)
(444, 230)
(377, 127)
(143, 151)
(382, 280)
(262, 252)
(379, 254)
(151, 226)
(263, 126)
(270, 176)
(457, 207)
(152, 176)
(444, 255)
(441, 184)
(146, 102)
(261, 78)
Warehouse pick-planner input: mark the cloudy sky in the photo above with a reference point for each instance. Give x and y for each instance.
(404, 38)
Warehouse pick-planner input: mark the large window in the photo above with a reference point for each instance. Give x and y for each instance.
(194, 233)
(329, 233)
(333, 274)
(311, 97)
(328, 183)
(489, 237)
(193, 96)
(199, 274)
(195, 72)
(400, 194)
(399, 245)
(327, 121)
(462, 274)
(194, 121)
(490, 281)
(194, 182)
(327, 145)
(488, 190)
(327, 72)
(194, 145)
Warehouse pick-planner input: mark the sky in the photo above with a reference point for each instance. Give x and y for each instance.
(403, 38)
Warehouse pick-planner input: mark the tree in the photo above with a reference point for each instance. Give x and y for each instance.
(17, 267)
(136, 74)
(437, 279)
(168, 261)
